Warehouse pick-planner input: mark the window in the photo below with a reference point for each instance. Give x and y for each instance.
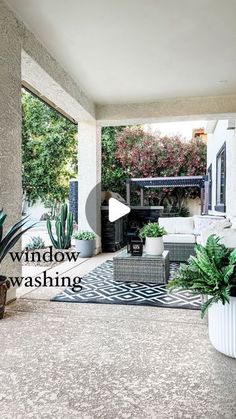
(209, 172)
(221, 179)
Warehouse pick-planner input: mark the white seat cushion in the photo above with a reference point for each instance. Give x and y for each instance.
(199, 239)
(232, 219)
(168, 224)
(228, 238)
(184, 225)
(179, 238)
(205, 222)
(177, 225)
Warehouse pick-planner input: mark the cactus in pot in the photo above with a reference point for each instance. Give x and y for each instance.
(64, 229)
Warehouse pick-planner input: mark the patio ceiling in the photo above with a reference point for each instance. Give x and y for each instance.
(138, 51)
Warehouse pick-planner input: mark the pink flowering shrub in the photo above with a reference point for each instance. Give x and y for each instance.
(142, 154)
(145, 155)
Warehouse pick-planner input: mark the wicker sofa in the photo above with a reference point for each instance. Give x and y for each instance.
(183, 233)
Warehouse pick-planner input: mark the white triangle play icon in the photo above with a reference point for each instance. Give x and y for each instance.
(117, 209)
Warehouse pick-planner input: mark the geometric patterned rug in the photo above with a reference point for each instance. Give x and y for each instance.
(98, 286)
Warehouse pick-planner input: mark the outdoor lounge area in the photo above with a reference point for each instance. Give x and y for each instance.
(117, 209)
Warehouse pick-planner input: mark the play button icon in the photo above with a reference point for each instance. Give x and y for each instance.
(117, 209)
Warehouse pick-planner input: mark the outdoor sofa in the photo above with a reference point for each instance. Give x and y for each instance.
(183, 233)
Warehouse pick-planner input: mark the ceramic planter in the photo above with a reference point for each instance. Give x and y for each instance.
(4, 286)
(154, 246)
(222, 327)
(85, 248)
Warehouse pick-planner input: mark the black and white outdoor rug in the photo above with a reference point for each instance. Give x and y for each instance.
(98, 286)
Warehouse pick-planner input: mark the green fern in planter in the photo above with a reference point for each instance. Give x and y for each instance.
(212, 272)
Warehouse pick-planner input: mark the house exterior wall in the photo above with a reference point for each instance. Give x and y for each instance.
(215, 141)
(10, 128)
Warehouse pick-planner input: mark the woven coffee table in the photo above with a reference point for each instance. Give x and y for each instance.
(145, 268)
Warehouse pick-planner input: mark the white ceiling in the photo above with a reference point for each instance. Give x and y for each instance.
(126, 51)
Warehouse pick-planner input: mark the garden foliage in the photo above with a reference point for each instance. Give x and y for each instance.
(49, 153)
(132, 152)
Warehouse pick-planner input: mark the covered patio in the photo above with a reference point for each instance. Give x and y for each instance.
(77, 85)
(105, 63)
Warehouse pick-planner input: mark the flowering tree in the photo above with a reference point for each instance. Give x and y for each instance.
(143, 154)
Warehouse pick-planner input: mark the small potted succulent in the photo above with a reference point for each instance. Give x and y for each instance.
(7, 241)
(85, 243)
(153, 234)
(212, 274)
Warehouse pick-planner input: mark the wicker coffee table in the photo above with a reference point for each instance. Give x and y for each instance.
(145, 268)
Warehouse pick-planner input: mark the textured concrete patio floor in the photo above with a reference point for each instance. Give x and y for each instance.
(61, 360)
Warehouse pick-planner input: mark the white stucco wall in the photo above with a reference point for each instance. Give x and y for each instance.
(215, 142)
(10, 129)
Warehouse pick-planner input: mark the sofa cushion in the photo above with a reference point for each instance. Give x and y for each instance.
(177, 225)
(168, 223)
(199, 239)
(206, 222)
(232, 219)
(228, 238)
(179, 238)
(184, 225)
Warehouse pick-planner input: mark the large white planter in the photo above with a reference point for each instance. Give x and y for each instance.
(222, 327)
(154, 246)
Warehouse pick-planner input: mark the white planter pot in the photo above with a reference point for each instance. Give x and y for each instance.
(222, 327)
(154, 246)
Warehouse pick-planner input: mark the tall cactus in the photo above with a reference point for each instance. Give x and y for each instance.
(64, 229)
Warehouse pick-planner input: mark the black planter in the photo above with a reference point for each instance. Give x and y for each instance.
(4, 286)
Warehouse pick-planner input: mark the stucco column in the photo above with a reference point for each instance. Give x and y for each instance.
(89, 162)
(10, 129)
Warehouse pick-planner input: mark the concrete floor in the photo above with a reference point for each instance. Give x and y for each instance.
(91, 361)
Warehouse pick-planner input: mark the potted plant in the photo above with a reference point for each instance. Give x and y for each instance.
(153, 234)
(212, 273)
(7, 241)
(84, 243)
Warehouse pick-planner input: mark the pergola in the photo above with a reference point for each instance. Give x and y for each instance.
(200, 182)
